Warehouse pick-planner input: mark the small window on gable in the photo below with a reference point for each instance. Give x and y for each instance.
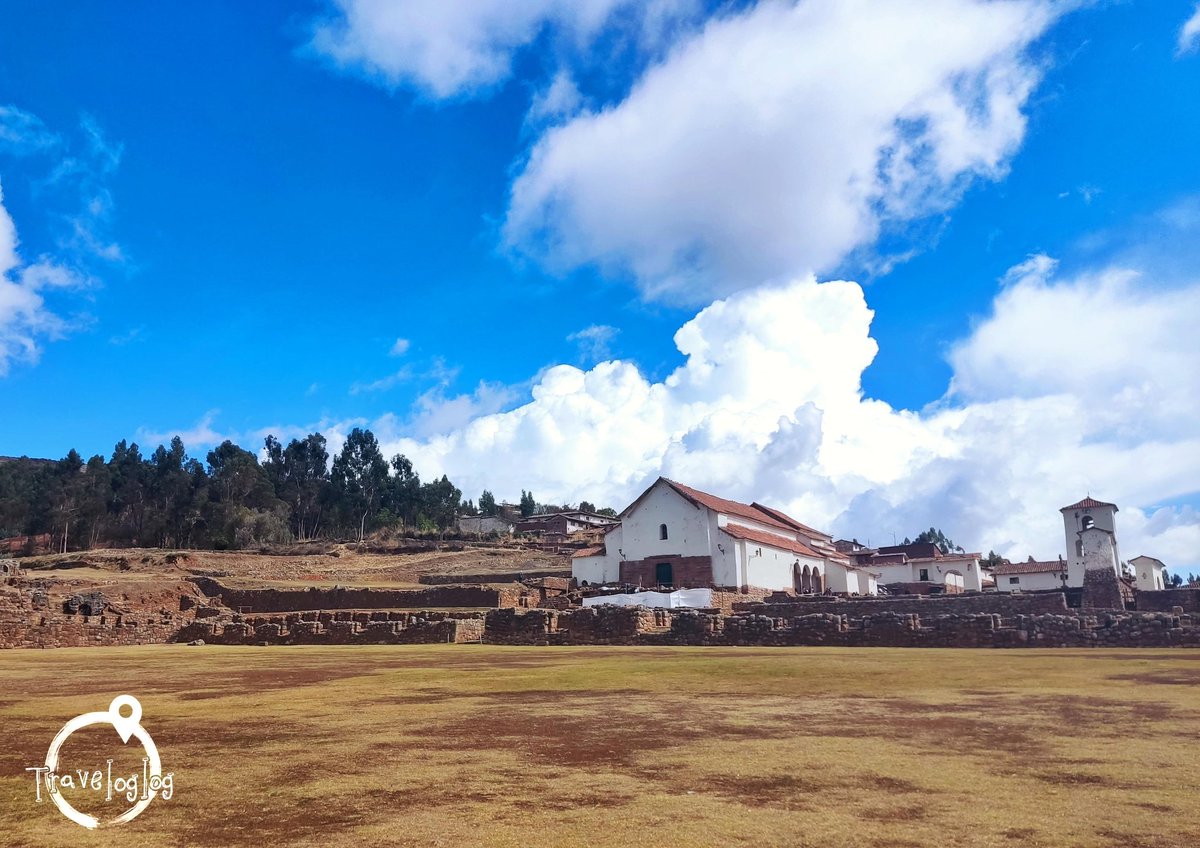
(662, 531)
(1014, 580)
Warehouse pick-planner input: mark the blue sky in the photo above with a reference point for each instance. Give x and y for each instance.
(248, 205)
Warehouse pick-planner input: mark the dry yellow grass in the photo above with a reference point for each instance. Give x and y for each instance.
(457, 745)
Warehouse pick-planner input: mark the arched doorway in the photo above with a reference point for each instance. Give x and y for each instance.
(818, 581)
(954, 583)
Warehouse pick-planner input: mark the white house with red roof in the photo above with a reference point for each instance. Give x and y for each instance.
(674, 535)
(1031, 575)
(918, 567)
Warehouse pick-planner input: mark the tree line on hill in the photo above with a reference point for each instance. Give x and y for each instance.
(231, 500)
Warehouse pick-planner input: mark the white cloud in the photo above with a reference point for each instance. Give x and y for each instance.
(400, 347)
(595, 342)
(201, 434)
(437, 413)
(778, 140)
(1110, 340)
(26, 320)
(392, 380)
(454, 49)
(558, 100)
(768, 406)
(23, 133)
(1189, 35)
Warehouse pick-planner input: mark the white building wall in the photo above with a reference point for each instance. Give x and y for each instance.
(771, 568)
(593, 570)
(894, 573)
(605, 568)
(840, 579)
(1028, 582)
(725, 561)
(1148, 572)
(687, 527)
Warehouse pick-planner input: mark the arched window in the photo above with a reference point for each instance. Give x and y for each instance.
(662, 531)
(1088, 522)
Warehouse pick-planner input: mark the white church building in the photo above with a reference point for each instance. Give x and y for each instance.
(674, 535)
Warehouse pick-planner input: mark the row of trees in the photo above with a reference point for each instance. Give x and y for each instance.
(231, 500)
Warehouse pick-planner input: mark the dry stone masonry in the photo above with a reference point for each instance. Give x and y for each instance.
(540, 612)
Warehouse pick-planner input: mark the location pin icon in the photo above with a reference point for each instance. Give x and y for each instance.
(127, 723)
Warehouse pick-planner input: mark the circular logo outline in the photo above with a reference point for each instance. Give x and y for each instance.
(127, 727)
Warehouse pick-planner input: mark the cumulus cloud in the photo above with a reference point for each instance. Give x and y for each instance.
(454, 49)
(1189, 34)
(400, 347)
(768, 406)
(778, 140)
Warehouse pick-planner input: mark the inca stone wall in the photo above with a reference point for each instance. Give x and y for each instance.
(999, 603)
(340, 628)
(1166, 600)
(640, 626)
(289, 600)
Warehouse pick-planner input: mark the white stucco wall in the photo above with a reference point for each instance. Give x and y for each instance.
(687, 526)
(605, 568)
(1028, 582)
(839, 579)
(725, 554)
(1148, 572)
(594, 570)
(894, 573)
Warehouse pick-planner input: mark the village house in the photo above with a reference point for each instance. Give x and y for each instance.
(677, 536)
(919, 568)
(565, 522)
(1031, 576)
(485, 524)
(1148, 573)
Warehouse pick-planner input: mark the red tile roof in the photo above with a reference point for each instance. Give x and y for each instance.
(596, 550)
(1088, 503)
(787, 519)
(1053, 566)
(753, 512)
(762, 537)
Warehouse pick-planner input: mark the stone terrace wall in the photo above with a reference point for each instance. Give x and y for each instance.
(1166, 600)
(997, 603)
(341, 628)
(288, 600)
(640, 626)
(516, 574)
(727, 600)
(26, 621)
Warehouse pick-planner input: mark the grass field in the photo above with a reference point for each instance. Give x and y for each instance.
(489, 746)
